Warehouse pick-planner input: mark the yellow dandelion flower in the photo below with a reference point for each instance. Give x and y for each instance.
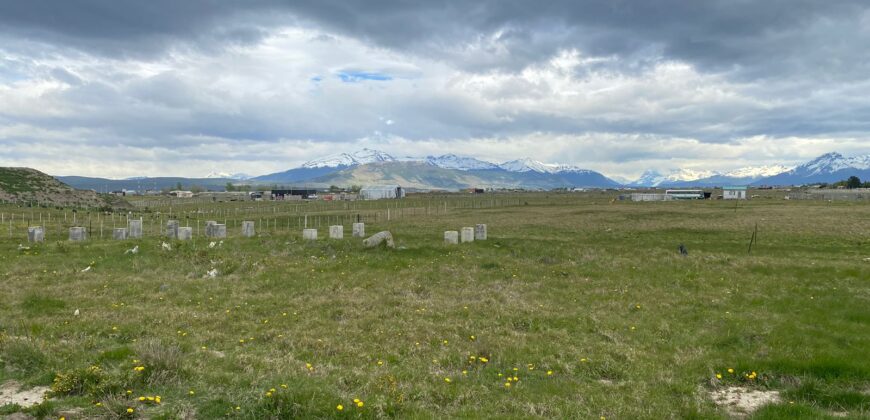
(730, 370)
(360, 404)
(141, 398)
(130, 410)
(356, 400)
(465, 372)
(445, 342)
(129, 391)
(473, 338)
(157, 399)
(191, 392)
(339, 407)
(268, 394)
(718, 376)
(549, 372)
(380, 362)
(447, 380)
(507, 384)
(483, 359)
(99, 404)
(284, 386)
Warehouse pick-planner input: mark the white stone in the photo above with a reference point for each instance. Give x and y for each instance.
(78, 233)
(119, 234)
(134, 229)
(480, 232)
(451, 237)
(359, 230)
(384, 237)
(36, 234)
(336, 232)
(248, 229)
(309, 234)
(467, 235)
(185, 233)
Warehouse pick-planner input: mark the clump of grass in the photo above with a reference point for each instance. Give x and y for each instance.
(163, 363)
(82, 381)
(21, 355)
(41, 305)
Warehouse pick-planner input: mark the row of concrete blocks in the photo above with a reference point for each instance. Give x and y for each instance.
(78, 233)
(468, 234)
(336, 232)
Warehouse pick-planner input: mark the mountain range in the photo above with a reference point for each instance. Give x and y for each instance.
(453, 172)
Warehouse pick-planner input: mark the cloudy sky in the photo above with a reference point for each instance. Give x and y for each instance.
(166, 87)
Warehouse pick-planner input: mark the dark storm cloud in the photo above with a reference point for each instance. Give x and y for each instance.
(756, 36)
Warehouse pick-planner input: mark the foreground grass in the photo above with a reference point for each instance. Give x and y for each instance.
(584, 301)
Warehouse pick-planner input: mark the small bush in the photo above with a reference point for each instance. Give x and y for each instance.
(78, 382)
(163, 363)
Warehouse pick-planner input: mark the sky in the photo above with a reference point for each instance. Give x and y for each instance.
(118, 89)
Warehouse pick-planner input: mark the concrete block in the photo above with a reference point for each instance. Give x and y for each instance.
(209, 228)
(359, 230)
(383, 237)
(78, 234)
(451, 237)
(185, 233)
(248, 229)
(480, 232)
(172, 229)
(218, 230)
(467, 235)
(119, 234)
(134, 229)
(336, 232)
(36, 234)
(309, 234)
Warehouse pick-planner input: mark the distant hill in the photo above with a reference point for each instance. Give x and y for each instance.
(423, 175)
(142, 184)
(30, 185)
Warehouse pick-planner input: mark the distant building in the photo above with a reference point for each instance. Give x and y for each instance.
(181, 194)
(650, 197)
(293, 193)
(686, 194)
(377, 192)
(734, 193)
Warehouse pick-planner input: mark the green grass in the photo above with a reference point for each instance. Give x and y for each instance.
(591, 290)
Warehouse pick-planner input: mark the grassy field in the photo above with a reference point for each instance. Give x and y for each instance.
(576, 307)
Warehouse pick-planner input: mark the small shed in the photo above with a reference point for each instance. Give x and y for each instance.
(734, 193)
(377, 192)
(181, 194)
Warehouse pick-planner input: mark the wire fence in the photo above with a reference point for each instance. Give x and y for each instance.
(268, 216)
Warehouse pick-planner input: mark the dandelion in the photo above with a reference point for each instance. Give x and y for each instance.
(730, 370)
(356, 400)
(141, 398)
(284, 386)
(583, 360)
(238, 408)
(473, 338)
(360, 404)
(157, 399)
(447, 380)
(483, 359)
(465, 372)
(718, 376)
(549, 372)
(507, 384)
(445, 342)
(191, 392)
(139, 368)
(380, 362)
(99, 404)
(129, 391)
(130, 410)
(339, 407)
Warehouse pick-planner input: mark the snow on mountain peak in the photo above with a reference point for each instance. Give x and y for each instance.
(360, 157)
(220, 175)
(759, 171)
(833, 162)
(462, 163)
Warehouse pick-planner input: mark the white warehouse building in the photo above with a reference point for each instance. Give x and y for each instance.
(734, 193)
(377, 192)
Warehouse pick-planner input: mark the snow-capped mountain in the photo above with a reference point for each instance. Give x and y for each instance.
(360, 157)
(227, 175)
(462, 163)
(653, 178)
(756, 172)
(830, 167)
(531, 165)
